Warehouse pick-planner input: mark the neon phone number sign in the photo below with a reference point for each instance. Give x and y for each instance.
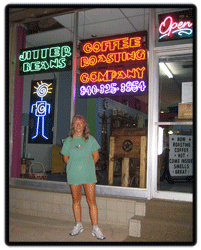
(109, 65)
(113, 88)
(46, 58)
(176, 25)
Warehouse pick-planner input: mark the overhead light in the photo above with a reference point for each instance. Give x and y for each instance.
(170, 132)
(166, 70)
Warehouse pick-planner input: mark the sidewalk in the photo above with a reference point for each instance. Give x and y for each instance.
(24, 228)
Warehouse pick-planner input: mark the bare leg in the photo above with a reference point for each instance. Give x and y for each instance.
(90, 191)
(76, 193)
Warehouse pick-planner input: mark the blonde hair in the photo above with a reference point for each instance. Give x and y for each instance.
(86, 131)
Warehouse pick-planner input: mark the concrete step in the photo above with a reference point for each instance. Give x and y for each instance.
(150, 229)
(175, 211)
(163, 221)
(157, 229)
(135, 226)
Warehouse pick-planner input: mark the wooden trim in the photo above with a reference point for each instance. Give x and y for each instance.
(125, 172)
(143, 162)
(111, 161)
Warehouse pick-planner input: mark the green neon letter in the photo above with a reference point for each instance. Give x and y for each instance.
(44, 65)
(22, 56)
(54, 51)
(62, 63)
(35, 66)
(35, 54)
(28, 55)
(26, 67)
(54, 63)
(66, 51)
(44, 53)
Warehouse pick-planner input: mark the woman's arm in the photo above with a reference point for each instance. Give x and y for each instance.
(95, 156)
(65, 158)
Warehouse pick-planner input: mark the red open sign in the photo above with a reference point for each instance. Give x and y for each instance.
(175, 26)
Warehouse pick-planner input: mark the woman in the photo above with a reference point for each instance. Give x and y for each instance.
(80, 152)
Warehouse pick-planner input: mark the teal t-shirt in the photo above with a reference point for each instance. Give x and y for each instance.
(80, 168)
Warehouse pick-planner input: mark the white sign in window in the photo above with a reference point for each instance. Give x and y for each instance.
(181, 155)
(187, 92)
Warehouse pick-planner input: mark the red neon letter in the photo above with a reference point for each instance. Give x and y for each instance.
(135, 42)
(84, 61)
(97, 47)
(140, 72)
(87, 48)
(140, 54)
(165, 26)
(84, 78)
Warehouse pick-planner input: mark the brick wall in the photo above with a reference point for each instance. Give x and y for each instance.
(115, 211)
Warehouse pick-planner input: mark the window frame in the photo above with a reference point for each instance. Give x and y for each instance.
(153, 122)
(166, 51)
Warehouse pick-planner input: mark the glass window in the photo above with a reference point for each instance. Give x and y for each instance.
(108, 116)
(46, 97)
(175, 134)
(119, 121)
(175, 158)
(176, 87)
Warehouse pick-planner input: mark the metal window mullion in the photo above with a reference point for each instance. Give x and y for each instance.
(74, 66)
(152, 106)
(12, 73)
(173, 123)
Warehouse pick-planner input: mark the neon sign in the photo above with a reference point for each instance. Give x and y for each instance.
(110, 75)
(41, 111)
(111, 45)
(113, 58)
(44, 59)
(108, 65)
(113, 88)
(175, 26)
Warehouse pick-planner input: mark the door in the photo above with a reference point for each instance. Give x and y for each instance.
(173, 157)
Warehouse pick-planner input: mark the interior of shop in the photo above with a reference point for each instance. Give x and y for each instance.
(122, 117)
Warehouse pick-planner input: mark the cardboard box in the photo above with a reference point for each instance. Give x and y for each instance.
(185, 111)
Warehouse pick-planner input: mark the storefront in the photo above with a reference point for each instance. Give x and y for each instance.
(130, 73)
